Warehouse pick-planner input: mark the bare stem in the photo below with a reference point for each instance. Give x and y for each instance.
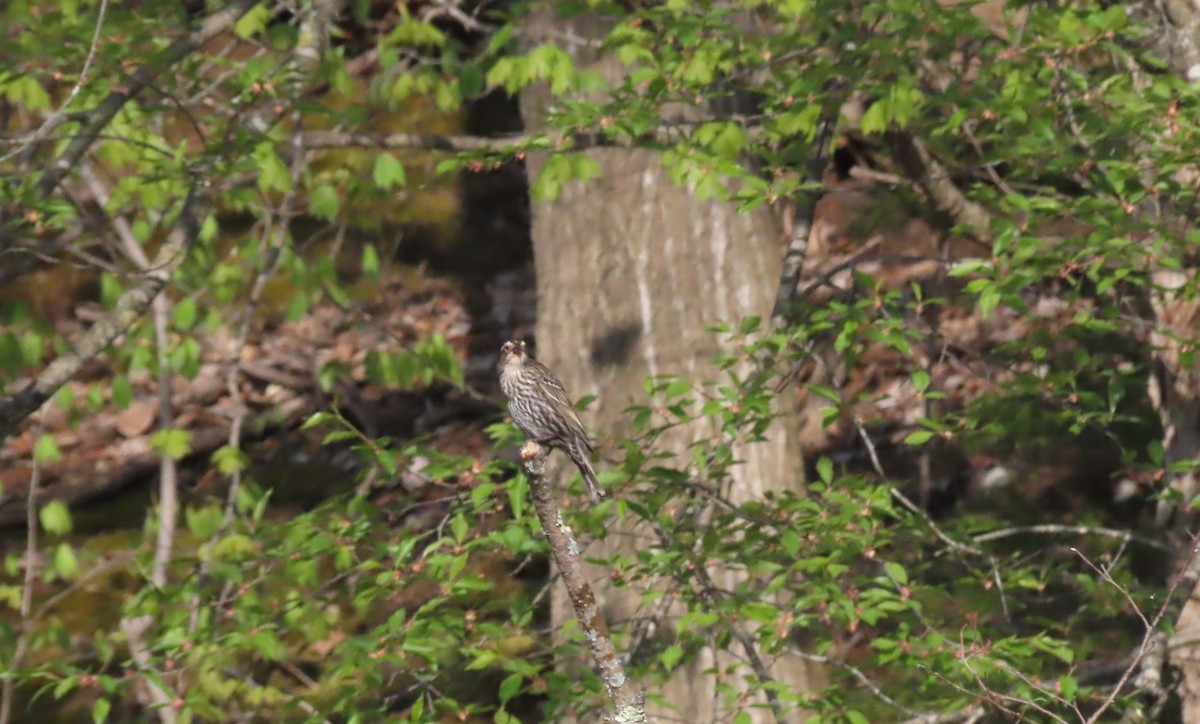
(31, 524)
(168, 479)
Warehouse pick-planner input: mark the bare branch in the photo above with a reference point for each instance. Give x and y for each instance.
(1053, 529)
(168, 474)
(1151, 641)
(168, 470)
(803, 212)
(629, 700)
(314, 34)
(135, 631)
(919, 165)
(31, 528)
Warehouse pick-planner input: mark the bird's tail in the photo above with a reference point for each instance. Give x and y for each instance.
(580, 458)
(593, 485)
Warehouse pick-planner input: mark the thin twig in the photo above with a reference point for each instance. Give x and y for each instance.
(168, 491)
(135, 629)
(710, 590)
(168, 481)
(1055, 529)
(1150, 637)
(31, 531)
(861, 677)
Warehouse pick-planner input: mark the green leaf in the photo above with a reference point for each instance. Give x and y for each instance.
(989, 298)
(1068, 686)
(388, 171)
(324, 203)
(510, 687)
(186, 358)
(12, 360)
(920, 437)
(874, 120)
(27, 90)
(100, 711)
(253, 22)
(677, 387)
(110, 290)
(174, 443)
(319, 418)
(65, 397)
(268, 645)
(750, 324)
(184, 314)
(370, 260)
(122, 392)
(65, 563)
(204, 522)
(55, 517)
(208, 229)
(234, 546)
(896, 572)
(968, 267)
(32, 348)
(45, 450)
(670, 656)
(229, 460)
(790, 542)
(825, 470)
(459, 527)
(95, 398)
(825, 391)
(298, 307)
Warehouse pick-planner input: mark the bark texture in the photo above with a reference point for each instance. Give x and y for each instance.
(630, 270)
(1175, 386)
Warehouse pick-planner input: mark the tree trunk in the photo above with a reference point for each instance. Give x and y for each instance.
(630, 270)
(1175, 385)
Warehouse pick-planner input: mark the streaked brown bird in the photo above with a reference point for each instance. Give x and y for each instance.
(539, 405)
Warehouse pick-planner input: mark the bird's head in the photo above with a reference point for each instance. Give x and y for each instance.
(513, 353)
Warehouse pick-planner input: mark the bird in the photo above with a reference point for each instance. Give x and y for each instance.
(540, 407)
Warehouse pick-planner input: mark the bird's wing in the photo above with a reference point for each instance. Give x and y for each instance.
(554, 391)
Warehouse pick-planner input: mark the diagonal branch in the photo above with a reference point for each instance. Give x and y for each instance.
(629, 700)
(130, 307)
(919, 165)
(803, 213)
